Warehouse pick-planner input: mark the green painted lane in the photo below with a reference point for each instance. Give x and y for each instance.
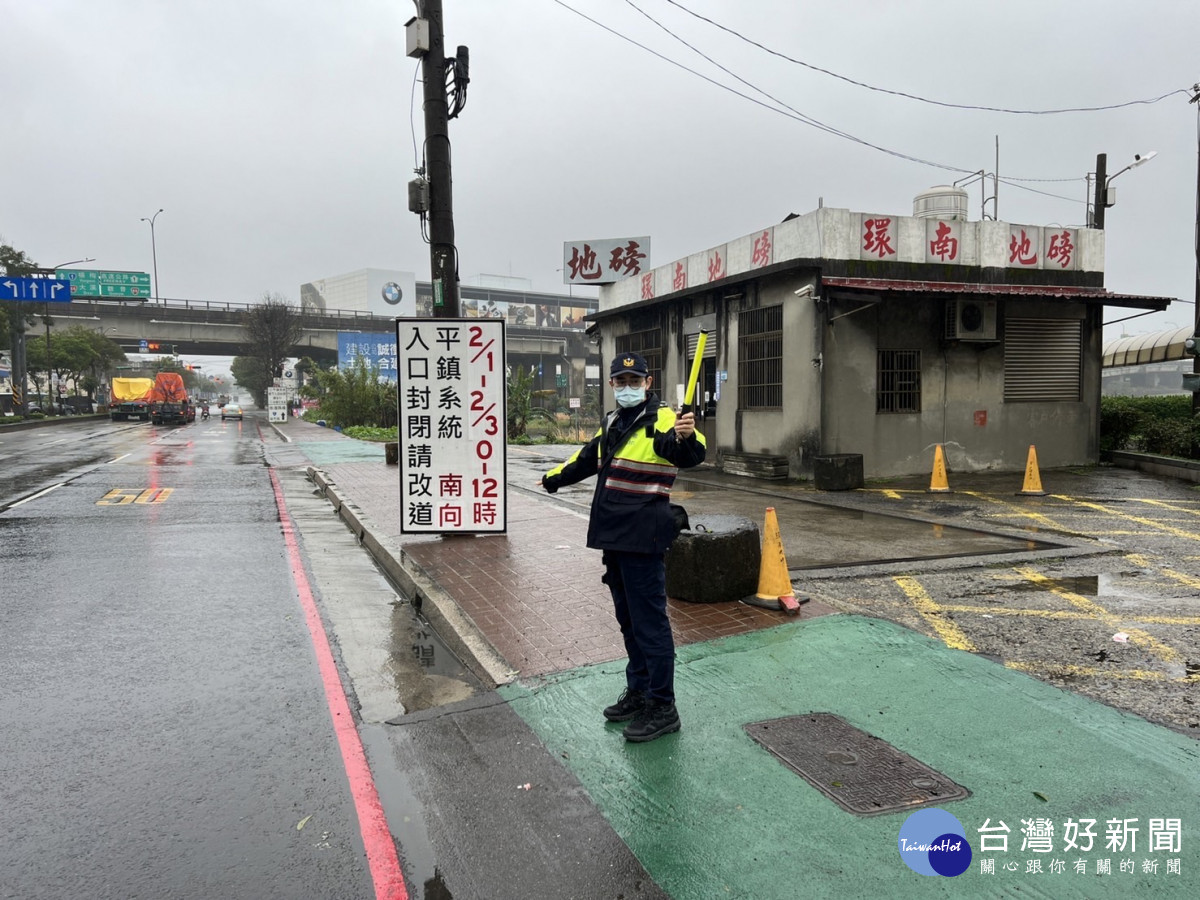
(325, 453)
(711, 814)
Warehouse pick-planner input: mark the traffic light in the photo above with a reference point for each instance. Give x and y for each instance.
(153, 346)
(1192, 345)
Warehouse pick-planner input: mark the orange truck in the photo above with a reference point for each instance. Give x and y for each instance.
(169, 403)
(129, 399)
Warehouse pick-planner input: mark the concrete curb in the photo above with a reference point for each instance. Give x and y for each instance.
(454, 626)
(24, 425)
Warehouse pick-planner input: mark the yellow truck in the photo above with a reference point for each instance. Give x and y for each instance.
(130, 399)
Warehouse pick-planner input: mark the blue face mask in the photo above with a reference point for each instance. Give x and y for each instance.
(630, 396)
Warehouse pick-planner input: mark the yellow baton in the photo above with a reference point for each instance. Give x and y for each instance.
(695, 373)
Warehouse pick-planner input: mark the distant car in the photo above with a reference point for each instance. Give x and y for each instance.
(230, 411)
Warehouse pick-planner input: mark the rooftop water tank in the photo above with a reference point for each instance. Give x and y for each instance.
(942, 201)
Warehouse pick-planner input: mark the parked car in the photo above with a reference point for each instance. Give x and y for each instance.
(231, 411)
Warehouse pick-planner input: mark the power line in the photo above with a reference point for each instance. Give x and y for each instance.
(800, 117)
(920, 99)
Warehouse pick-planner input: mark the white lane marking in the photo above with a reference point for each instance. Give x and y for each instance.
(40, 493)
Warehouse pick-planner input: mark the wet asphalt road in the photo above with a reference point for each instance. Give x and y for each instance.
(163, 728)
(164, 731)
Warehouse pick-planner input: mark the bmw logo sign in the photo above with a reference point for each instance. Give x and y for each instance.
(392, 293)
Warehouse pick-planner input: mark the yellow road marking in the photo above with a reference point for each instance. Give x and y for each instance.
(952, 636)
(1066, 614)
(1020, 511)
(1139, 637)
(1092, 672)
(1145, 562)
(1149, 523)
(1172, 507)
(125, 496)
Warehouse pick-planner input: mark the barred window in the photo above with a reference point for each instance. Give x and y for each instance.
(649, 345)
(760, 358)
(898, 381)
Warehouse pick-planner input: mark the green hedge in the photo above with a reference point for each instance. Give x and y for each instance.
(1162, 425)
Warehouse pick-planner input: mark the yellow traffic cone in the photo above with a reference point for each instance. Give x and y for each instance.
(1033, 481)
(774, 583)
(938, 483)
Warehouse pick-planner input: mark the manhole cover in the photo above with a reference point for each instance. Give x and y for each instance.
(859, 772)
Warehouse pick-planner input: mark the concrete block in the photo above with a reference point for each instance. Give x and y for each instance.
(716, 561)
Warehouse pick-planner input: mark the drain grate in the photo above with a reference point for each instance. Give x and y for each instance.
(861, 773)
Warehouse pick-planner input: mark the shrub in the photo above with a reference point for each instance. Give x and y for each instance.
(1160, 425)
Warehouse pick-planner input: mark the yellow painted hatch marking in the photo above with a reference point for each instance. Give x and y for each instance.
(952, 636)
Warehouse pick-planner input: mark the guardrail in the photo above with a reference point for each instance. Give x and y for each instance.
(314, 318)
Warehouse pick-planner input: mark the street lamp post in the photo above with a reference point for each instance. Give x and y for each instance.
(1102, 182)
(46, 320)
(153, 252)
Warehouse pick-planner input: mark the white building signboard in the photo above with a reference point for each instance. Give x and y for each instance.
(452, 425)
(605, 261)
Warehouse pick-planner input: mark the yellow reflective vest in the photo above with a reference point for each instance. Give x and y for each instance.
(635, 458)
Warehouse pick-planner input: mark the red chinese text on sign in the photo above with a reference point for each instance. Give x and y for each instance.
(584, 265)
(943, 246)
(679, 279)
(716, 266)
(648, 286)
(877, 237)
(1061, 249)
(1020, 250)
(762, 250)
(452, 450)
(627, 260)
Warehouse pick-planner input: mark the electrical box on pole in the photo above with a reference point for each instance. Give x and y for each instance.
(443, 253)
(417, 37)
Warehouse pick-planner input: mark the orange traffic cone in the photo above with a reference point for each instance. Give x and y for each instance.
(938, 483)
(1033, 481)
(774, 583)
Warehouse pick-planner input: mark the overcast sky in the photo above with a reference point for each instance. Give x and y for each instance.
(278, 137)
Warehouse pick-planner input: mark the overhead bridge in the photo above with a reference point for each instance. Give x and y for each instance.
(209, 328)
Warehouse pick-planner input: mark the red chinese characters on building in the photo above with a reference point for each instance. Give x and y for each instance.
(648, 286)
(716, 266)
(1020, 249)
(943, 245)
(585, 264)
(1061, 249)
(877, 237)
(679, 279)
(762, 250)
(627, 260)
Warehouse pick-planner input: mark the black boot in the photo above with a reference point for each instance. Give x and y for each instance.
(655, 720)
(628, 705)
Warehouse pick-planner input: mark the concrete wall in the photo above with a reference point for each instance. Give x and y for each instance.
(836, 234)
(962, 395)
(794, 429)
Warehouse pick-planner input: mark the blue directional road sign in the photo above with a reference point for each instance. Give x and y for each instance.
(43, 290)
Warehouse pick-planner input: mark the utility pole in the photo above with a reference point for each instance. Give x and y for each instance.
(443, 254)
(1101, 202)
(17, 322)
(1196, 296)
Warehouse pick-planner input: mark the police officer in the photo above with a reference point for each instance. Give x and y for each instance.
(635, 456)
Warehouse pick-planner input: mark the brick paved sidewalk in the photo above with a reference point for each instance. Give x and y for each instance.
(534, 593)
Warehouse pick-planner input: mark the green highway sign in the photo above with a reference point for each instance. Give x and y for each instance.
(92, 283)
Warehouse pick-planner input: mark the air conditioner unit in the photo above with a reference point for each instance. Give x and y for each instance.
(971, 320)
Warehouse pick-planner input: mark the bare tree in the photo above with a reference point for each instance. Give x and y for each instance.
(273, 329)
